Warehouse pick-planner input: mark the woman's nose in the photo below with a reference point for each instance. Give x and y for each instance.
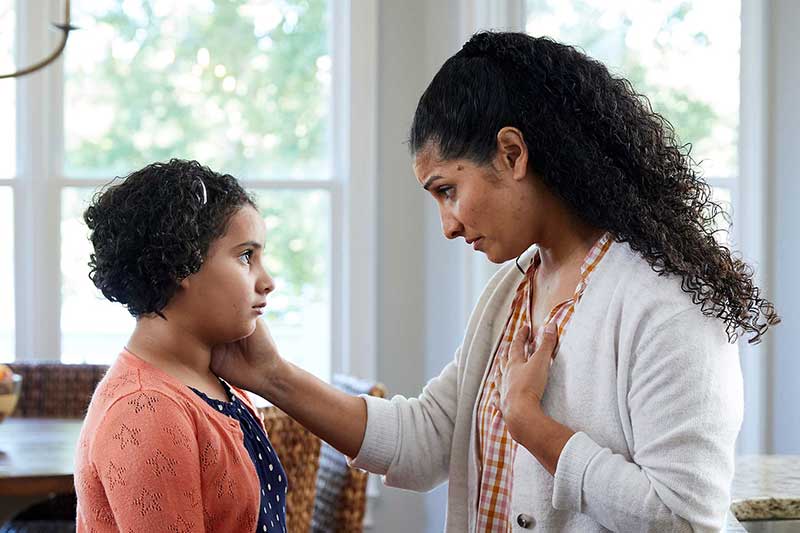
(451, 227)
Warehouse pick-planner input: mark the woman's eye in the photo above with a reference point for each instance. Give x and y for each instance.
(246, 256)
(447, 192)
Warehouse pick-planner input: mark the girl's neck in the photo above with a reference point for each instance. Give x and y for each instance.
(172, 348)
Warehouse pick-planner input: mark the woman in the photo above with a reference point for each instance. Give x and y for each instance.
(622, 412)
(166, 445)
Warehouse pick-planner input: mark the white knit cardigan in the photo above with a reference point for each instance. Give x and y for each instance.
(650, 385)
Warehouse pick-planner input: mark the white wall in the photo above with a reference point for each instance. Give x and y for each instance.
(446, 299)
(401, 269)
(784, 224)
(421, 297)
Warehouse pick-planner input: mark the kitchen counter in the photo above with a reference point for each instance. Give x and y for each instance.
(764, 487)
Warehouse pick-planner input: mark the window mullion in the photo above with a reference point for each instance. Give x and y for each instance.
(54, 173)
(29, 89)
(356, 98)
(36, 213)
(338, 45)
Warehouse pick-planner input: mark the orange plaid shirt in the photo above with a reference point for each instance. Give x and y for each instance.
(496, 448)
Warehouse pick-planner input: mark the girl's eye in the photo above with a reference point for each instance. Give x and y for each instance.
(246, 256)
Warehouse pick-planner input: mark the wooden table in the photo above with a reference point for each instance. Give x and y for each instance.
(36, 460)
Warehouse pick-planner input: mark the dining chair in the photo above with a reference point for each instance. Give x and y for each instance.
(52, 390)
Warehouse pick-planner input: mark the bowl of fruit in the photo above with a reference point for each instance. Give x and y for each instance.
(10, 385)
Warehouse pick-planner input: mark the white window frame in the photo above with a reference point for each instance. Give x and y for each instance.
(750, 209)
(39, 183)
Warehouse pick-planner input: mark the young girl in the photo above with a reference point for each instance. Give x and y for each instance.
(166, 444)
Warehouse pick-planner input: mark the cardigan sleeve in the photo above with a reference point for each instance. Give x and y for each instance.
(409, 440)
(146, 455)
(685, 406)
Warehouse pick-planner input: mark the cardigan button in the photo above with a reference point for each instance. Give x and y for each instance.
(525, 521)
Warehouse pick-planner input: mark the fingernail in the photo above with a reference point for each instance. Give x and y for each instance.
(550, 329)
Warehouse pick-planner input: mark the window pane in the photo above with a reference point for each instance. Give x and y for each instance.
(683, 55)
(724, 197)
(298, 257)
(8, 93)
(93, 330)
(241, 85)
(6, 275)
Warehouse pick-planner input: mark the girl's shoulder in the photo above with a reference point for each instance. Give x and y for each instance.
(128, 376)
(131, 388)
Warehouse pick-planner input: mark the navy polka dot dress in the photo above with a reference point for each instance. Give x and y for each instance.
(272, 515)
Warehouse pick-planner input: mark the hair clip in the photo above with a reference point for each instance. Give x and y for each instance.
(204, 199)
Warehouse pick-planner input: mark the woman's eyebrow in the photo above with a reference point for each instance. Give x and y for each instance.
(430, 181)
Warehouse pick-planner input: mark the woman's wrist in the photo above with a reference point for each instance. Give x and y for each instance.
(545, 439)
(333, 415)
(275, 383)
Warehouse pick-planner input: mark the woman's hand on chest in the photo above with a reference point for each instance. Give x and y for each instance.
(521, 381)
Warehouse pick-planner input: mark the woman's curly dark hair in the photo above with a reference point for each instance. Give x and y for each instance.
(154, 228)
(600, 147)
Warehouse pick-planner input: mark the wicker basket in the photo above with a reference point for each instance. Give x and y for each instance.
(342, 490)
(298, 451)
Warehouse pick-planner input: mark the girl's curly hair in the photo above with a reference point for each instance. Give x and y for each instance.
(600, 147)
(154, 228)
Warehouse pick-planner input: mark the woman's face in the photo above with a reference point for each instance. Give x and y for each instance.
(226, 296)
(495, 208)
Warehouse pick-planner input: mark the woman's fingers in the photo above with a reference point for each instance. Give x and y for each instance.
(496, 392)
(521, 379)
(519, 343)
(547, 344)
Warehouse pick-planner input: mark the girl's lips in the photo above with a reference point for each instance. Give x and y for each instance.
(476, 242)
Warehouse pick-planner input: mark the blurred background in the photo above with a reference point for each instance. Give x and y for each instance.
(308, 103)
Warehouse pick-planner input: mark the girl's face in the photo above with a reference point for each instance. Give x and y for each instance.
(498, 208)
(223, 300)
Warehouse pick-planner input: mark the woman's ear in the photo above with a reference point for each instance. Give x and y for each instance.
(512, 152)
